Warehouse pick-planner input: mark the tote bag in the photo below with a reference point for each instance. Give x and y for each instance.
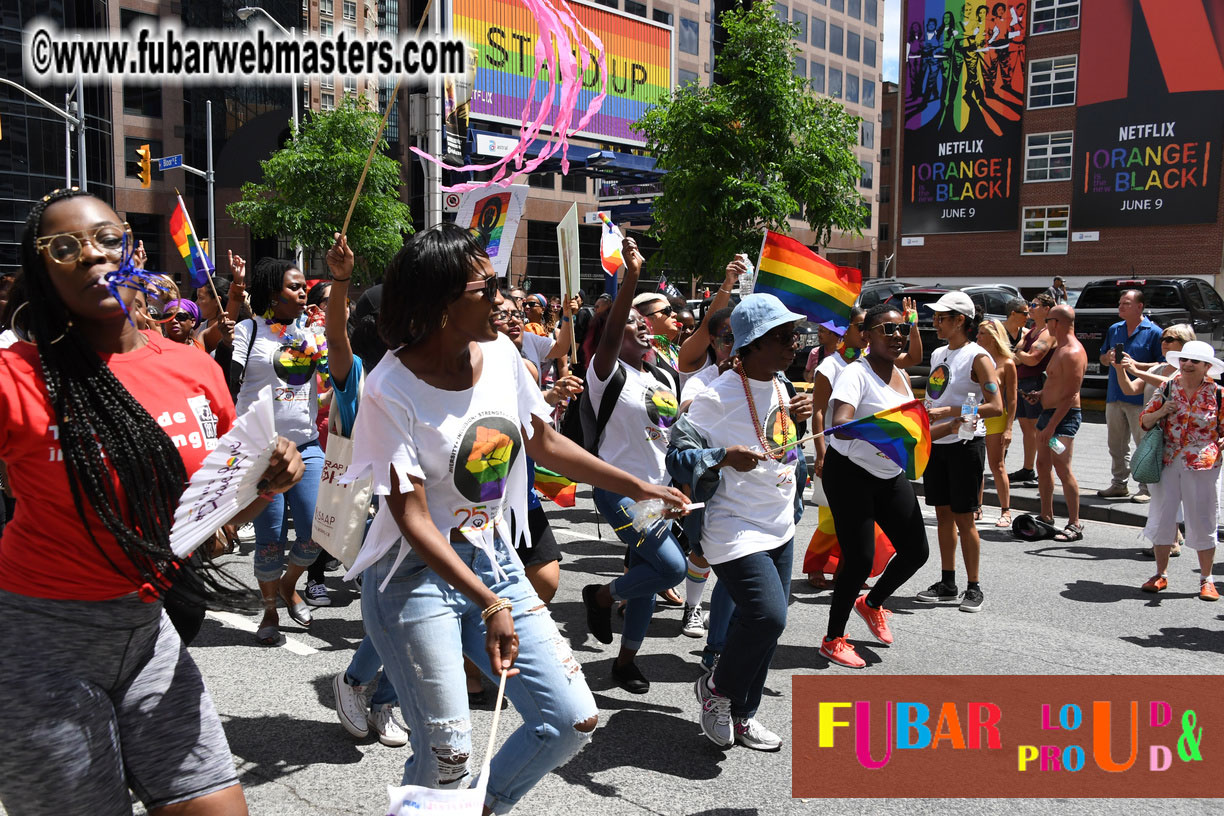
(341, 510)
(1148, 458)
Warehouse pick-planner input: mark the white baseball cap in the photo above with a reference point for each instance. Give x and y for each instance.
(955, 302)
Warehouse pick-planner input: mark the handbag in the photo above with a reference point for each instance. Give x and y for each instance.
(341, 510)
(1148, 460)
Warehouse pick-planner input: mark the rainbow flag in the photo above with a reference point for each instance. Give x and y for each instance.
(903, 434)
(824, 552)
(610, 243)
(805, 282)
(198, 263)
(555, 486)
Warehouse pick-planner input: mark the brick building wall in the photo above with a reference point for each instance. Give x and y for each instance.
(982, 257)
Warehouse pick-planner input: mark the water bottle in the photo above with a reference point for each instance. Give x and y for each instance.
(1057, 445)
(968, 430)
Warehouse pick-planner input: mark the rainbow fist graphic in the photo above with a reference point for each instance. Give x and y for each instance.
(489, 462)
(783, 432)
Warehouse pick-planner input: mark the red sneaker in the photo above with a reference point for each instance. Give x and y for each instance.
(842, 653)
(1155, 584)
(1207, 591)
(877, 619)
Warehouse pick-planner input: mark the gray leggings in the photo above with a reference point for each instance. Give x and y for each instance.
(100, 697)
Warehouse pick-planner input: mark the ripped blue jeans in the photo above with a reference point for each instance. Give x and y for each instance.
(423, 627)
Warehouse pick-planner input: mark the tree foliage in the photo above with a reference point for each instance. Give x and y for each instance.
(750, 153)
(307, 186)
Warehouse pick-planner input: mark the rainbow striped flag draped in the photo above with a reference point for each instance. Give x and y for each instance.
(555, 486)
(198, 263)
(805, 282)
(903, 434)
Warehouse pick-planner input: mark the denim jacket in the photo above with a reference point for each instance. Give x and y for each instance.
(690, 461)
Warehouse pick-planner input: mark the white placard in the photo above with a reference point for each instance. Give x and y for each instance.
(567, 252)
(493, 215)
(595, 216)
(1094, 235)
(913, 240)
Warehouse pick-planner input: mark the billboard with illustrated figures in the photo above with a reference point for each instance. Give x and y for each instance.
(963, 77)
(1151, 113)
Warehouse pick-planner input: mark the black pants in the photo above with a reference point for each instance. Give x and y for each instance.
(858, 502)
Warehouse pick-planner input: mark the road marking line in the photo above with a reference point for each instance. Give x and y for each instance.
(247, 625)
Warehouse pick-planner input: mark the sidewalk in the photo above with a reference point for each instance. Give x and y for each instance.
(1091, 464)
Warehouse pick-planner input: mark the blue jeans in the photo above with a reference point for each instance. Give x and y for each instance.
(760, 586)
(721, 610)
(361, 670)
(271, 534)
(656, 563)
(423, 627)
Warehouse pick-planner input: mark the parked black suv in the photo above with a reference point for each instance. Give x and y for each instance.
(1166, 301)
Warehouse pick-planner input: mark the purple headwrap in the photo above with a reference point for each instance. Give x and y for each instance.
(184, 305)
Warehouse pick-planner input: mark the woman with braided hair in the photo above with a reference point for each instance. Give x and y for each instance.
(100, 424)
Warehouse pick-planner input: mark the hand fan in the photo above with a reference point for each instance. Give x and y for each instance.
(226, 481)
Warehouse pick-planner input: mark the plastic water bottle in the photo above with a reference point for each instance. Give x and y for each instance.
(1057, 445)
(968, 430)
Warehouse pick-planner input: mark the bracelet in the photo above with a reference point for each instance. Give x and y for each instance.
(342, 280)
(724, 289)
(565, 319)
(494, 608)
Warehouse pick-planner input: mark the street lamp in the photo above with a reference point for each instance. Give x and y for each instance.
(72, 119)
(244, 14)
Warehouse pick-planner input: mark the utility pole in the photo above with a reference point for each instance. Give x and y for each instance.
(74, 118)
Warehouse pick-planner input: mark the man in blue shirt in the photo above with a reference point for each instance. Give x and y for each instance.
(1140, 339)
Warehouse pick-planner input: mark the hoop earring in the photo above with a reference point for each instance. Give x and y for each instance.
(25, 338)
(445, 317)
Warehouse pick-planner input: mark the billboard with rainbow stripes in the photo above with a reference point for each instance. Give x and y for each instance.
(640, 64)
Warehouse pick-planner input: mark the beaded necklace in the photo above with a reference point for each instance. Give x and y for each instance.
(756, 422)
(308, 343)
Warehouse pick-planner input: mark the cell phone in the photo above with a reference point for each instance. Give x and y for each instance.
(1118, 352)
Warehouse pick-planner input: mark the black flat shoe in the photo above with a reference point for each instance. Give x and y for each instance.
(599, 619)
(630, 678)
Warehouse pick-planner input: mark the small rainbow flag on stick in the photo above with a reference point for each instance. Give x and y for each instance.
(555, 486)
(198, 263)
(903, 434)
(805, 282)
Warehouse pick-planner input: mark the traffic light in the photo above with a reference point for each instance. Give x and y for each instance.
(144, 159)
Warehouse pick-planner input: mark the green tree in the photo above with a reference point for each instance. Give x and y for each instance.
(307, 186)
(750, 153)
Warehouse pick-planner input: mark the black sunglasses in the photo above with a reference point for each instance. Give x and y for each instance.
(486, 286)
(666, 310)
(1168, 338)
(891, 328)
(785, 336)
(183, 317)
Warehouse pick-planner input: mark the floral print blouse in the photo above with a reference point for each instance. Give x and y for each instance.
(1192, 434)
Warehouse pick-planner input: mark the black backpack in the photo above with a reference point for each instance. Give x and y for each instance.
(583, 425)
(1027, 527)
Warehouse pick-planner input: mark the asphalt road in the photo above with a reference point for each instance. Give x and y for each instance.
(1050, 609)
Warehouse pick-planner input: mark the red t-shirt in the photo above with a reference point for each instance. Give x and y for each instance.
(45, 551)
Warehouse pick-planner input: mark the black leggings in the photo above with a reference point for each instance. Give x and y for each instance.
(859, 501)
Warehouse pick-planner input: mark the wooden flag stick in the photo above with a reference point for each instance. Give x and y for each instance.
(378, 136)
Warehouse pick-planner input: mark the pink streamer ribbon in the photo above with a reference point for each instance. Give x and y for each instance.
(555, 26)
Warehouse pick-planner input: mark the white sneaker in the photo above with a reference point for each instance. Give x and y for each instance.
(390, 732)
(694, 622)
(351, 706)
(751, 734)
(715, 714)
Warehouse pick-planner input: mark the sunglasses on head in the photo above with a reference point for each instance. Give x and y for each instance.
(890, 328)
(65, 247)
(486, 286)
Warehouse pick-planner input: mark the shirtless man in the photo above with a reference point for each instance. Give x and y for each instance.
(1060, 415)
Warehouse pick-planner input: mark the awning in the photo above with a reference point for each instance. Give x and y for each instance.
(605, 165)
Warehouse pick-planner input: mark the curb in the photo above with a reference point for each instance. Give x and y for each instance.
(1091, 509)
